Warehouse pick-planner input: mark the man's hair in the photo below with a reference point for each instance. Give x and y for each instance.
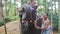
(46, 13)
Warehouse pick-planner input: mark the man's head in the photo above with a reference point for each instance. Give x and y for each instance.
(33, 3)
(45, 16)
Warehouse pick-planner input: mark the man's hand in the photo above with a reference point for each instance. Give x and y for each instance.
(37, 27)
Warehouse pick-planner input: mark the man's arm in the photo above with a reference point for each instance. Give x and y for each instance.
(35, 24)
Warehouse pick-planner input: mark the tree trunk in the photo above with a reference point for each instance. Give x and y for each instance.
(1, 10)
(2, 15)
(59, 14)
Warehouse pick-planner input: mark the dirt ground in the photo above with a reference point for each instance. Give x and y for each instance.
(12, 28)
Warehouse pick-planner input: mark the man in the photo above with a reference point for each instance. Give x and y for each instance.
(46, 27)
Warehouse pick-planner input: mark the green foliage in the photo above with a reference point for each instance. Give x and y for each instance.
(25, 1)
(7, 19)
(55, 21)
(10, 10)
(1, 23)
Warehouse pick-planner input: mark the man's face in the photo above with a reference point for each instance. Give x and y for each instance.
(34, 4)
(45, 16)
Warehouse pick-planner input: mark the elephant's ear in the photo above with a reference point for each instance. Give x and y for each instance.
(19, 9)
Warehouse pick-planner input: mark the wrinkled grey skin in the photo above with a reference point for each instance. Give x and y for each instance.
(26, 14)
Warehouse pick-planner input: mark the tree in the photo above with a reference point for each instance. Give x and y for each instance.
(59, 14)
(1, 11)
(2, 15)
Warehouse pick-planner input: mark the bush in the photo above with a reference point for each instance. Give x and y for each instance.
(7, 19)
(55, 20)
(1, 23)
